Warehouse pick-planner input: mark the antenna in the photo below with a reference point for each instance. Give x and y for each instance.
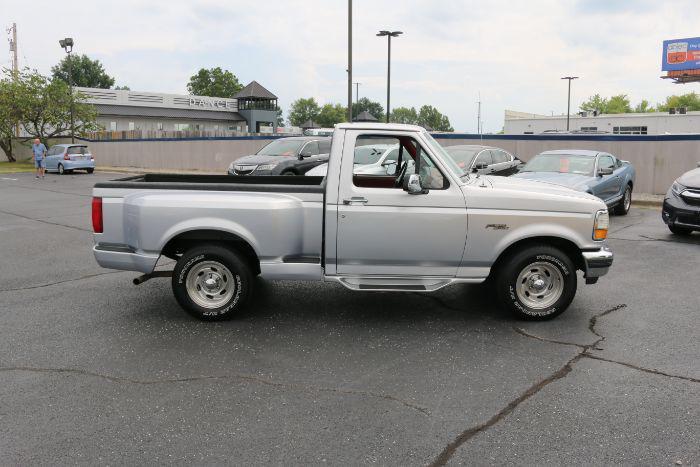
(478, 117)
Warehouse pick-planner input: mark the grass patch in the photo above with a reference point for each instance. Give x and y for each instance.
(16, 167)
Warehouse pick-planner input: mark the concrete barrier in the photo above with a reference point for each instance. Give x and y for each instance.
(659, 160)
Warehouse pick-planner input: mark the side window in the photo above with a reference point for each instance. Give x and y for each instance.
(430, 175)
(392, 156)
(484, 158)
(311, 149)
(324, 146)
(606, 162)
(618, 163)
(499, 157)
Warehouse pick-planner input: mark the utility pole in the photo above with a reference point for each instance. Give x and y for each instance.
(389, 35)
(357, 93)
(568, 101)
(349, 60)
(67, 45)
(15, 62)
(478, 116)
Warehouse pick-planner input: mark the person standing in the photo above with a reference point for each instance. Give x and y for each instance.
(39, 151)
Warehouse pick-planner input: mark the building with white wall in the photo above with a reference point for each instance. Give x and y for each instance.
(654, 123)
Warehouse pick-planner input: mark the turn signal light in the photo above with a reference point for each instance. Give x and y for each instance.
(97, 215)
(600, 234)
(601, 225)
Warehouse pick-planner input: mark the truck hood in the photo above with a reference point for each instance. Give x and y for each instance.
(528, 195)
(257, 159)
(690, 179)
(575, 181)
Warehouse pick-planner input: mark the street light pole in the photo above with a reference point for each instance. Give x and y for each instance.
(349, 60)
(389, 35)
(67, 45)
(568, 100)
(357, 93)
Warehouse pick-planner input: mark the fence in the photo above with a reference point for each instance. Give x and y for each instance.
(659, 160)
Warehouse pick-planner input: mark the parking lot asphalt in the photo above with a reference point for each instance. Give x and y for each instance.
(95, 370)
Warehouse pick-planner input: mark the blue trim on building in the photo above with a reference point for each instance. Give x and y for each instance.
(694, 137)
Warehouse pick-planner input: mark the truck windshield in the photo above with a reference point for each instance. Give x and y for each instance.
(561, 163)
(446, 158)
(282, 147)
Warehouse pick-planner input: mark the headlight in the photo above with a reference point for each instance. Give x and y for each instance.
(601, 225)
(266, 167)
(677, 188)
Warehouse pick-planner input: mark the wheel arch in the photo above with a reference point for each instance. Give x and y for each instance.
(191, 238)
(567, 246)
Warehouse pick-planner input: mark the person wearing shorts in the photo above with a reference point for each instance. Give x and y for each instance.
(39, 151)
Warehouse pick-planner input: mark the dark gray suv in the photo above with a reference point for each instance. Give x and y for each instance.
(285, 156)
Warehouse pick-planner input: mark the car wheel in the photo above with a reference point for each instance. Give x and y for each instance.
(679, 230)
(537, 283)
(90, 171)
(288, 172)
(61, 170)
(211, 282)
(623, 207)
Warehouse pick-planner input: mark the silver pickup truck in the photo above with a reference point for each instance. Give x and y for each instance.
(427, 225)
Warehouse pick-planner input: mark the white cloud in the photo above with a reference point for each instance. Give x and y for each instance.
(512, 52)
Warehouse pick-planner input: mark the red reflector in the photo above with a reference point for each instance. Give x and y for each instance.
(97, 214)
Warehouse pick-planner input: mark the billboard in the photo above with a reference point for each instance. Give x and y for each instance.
(681, 54)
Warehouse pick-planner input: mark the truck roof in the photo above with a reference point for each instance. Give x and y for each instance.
(378, 126)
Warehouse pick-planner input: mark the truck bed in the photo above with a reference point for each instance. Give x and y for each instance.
(273, 183)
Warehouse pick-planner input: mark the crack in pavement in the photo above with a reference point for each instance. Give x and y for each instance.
(45, 222)
(651, 239)
(48, 284)
(562, 372)
(246, 378)
(645, 370)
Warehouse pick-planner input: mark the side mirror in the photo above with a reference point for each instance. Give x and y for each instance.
(605, 171)
(389, 167)
(386, 163)
(478, 167)
(411, 185)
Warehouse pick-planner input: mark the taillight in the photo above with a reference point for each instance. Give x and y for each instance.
(66, 157)
(97, 214)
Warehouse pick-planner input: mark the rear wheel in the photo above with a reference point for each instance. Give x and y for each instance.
(537, 283)
(623, 206)
(679, 230)
(289, 172)
(90, 171)
(211, 282)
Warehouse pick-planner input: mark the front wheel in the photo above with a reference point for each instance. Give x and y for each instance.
(90, 171)
(623, 206)
(211, 282)
(288, 173)
(537, 283)
(61, 170)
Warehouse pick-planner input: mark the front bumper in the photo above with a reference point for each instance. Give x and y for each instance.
(597, 263)
(676, 212)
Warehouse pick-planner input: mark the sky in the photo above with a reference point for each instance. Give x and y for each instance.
(510, 53)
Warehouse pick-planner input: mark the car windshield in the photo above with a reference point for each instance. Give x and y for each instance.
(561, 163)
(282, 147)
(365, 155)
(463, 157)
(446, 157)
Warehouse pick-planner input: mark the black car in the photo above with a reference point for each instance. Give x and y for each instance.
(681, 210)
(285, 156)
(484, 159)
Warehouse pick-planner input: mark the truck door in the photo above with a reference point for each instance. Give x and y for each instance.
(382, 230)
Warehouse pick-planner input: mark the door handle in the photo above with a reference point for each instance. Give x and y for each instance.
(355, 200)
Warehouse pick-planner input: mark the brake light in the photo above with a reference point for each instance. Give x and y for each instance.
(66, 157)
(97, 214)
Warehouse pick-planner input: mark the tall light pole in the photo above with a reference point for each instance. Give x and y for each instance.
(349, 60)
(568, 101)
(67, 45)
(15, 62)
(389, 35)
(357, 93)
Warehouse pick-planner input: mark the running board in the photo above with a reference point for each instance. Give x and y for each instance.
(397, 284)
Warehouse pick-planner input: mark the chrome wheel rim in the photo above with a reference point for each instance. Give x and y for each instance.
(628, 199)
(210, 284)
(539, 285)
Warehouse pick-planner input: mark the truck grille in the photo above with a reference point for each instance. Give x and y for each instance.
(691, 197)
(243, 169)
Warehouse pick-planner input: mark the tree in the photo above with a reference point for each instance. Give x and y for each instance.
(85, 72)
(364, 104)
(619, 104)
(429, 116)
(691, 101)
(47, 108)
(404, 115)
(595, 102)
(280, 117)
(643, 107)
(214, 82)
(302, 110)
(122, 88)
(331, 114)
(11, 112)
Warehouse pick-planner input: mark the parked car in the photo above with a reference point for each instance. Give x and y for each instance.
(598, 173)
(284, 156)
(65, 158)
(681, 208)
(484, 159)
(417, 230)
(371, 159)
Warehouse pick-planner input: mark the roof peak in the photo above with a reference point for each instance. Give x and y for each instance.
(254, 90)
